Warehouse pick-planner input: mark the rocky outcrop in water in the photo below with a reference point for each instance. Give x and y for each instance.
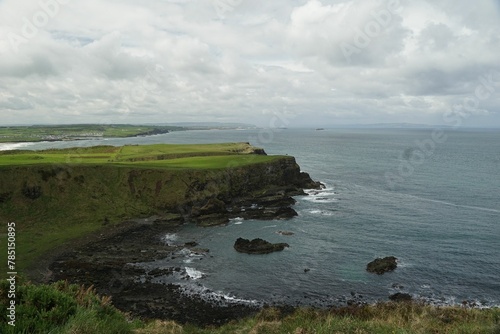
(258, 246)
(380, 266)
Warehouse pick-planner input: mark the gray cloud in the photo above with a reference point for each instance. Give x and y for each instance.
(323, 62)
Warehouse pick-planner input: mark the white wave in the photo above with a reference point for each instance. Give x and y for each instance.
(193, 273)
(325, 195)
(320, 199)
(189, 255)
(403, 264)
(169, 238)
(13, 146)
(320, 212)
(236, 221)
(218, 297)
(324, 191)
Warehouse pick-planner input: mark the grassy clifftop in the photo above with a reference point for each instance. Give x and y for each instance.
(57, 195)
(160, 155)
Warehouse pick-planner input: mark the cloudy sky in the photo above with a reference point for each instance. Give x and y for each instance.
(269, 63)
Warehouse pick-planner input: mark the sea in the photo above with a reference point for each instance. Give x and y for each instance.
(429, 197)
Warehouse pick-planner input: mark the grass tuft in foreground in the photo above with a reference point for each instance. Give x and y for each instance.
(62, 308)
(383, 318)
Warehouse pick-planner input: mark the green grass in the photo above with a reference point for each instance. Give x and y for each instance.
(61, 308)
(160, 155)
(64, 132)
(383, 318)
(212, 162)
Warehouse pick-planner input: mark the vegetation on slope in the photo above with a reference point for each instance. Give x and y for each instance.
(60, 308)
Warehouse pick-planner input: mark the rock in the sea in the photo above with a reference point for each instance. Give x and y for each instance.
(258, 246)
(400, 297)
(380, 266)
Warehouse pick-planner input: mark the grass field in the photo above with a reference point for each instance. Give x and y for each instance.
(155, 156)
(37, 133)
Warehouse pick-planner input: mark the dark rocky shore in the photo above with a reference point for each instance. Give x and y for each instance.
(107, 264)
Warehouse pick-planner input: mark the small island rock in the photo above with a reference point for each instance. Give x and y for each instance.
(257, 246)
(380, 266)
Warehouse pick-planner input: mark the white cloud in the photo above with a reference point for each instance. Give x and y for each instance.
(324, 62)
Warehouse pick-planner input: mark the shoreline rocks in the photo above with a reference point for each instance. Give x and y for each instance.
(258, 246)
(401, 297)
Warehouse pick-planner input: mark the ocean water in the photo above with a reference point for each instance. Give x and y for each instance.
(436, 207)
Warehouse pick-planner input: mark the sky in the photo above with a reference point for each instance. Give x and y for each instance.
(280, 63)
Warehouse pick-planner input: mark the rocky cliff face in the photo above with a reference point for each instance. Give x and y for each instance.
(254, 191)
(211, 196)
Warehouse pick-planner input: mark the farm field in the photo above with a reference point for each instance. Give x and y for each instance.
(36, 133)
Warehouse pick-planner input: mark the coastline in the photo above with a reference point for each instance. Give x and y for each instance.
(111, 262)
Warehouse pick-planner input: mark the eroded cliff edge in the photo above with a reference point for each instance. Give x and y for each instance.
(205, 196)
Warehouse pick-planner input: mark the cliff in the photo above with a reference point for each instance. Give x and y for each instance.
(52, 203)
(108, 191)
